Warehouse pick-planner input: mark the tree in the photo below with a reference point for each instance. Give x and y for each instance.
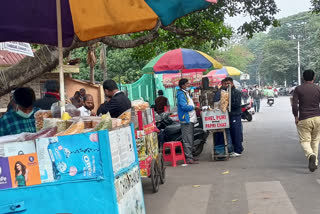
(188, 29)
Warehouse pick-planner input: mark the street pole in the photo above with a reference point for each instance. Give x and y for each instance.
(299, 64)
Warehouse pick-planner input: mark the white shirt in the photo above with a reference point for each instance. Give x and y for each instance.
(192, 114)
(84, 112)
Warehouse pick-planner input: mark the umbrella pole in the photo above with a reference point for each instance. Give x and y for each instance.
(61, 76)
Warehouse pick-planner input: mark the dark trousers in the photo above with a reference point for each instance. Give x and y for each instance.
(236, 133)
(187, 130)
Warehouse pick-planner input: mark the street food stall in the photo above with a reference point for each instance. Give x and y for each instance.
(92, 166)
(150, 159)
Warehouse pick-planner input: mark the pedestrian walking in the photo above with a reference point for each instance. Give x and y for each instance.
(305, 108)
(256, 96)
(245, 95)
(187, 117)
(235, 119)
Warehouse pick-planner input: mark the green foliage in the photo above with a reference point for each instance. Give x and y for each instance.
(276, 52)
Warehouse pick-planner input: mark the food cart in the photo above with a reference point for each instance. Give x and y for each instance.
(94, 172)
(150, 160)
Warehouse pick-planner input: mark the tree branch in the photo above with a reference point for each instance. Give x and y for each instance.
(46, 59)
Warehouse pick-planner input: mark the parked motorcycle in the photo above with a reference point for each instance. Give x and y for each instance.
(270, 101)
(246, 113)
(171, 131)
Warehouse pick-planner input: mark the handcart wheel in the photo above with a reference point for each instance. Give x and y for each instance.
(162, 169)
(154, 175)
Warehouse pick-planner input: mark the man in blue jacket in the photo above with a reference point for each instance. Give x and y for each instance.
(187, 117)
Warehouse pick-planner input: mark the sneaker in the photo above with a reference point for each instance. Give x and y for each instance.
(195, 159)
(232, 155)
(192, 162)
(237, 154)
(312, 163)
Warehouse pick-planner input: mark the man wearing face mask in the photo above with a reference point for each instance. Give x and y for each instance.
(22, 119)
(118, 103)
(187, 116)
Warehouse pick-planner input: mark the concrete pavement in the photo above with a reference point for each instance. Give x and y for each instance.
(271, 177)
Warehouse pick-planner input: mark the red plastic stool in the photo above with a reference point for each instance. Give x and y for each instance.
(173, 157)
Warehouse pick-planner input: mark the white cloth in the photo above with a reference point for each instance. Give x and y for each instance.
(192, 114)
(84, 112)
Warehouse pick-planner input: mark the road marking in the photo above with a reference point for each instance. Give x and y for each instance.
(268, 198)
(188, 199)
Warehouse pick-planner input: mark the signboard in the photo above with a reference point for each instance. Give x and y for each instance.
(17, 47)
(172, 80)
(215, 80)
(244, 76)
(215, 120)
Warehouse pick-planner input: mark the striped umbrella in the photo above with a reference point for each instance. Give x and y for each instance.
(181, 60)
(227, 70)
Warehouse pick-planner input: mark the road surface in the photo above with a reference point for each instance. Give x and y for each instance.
(270, 178)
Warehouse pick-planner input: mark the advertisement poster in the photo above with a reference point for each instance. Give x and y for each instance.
(24, 170)
(215, 120)
(122, 151)
(19, 148)
(129, 193)
(5, 177)
(45, 164)
(76, 157)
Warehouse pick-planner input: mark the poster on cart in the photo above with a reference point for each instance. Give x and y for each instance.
(216, 119)
(75, 157)
(24, 170)
(122, 151)
(129, 193)
(5, 177)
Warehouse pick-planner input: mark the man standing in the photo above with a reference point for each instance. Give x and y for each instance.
(305, 108)
(118, 103)
(161, 102)
(187, 117)
(88, 106)
(51, 95)
(82, 93)
(256, 96)
(21, 119)
(235, 119)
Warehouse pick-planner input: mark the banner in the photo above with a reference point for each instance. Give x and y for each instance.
(215, 80)
(17, 47)
(172, 80)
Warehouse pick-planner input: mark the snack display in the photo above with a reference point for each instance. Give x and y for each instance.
(39, 117)
(54, 122)
(75, 128)
(140, 105)
(105, 123)
(224, 101)
(125, 117)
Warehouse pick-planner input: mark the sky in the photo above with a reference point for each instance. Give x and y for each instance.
(287, 8)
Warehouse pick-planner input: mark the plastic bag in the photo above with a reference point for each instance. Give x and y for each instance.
(224, 101)
(125, 117)
(39, 117)
(76, 128)
(71, 109)
(140, 105)
(55, 122)
(105, 123)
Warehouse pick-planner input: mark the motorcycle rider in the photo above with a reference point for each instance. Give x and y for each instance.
(187, 117)
(269, 94)
(256, 96)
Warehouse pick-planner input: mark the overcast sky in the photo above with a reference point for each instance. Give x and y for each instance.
(287, 8)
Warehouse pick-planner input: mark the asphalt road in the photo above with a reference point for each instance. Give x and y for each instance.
(270, 178)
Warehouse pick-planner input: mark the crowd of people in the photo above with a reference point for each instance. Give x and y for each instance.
(23, 105)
